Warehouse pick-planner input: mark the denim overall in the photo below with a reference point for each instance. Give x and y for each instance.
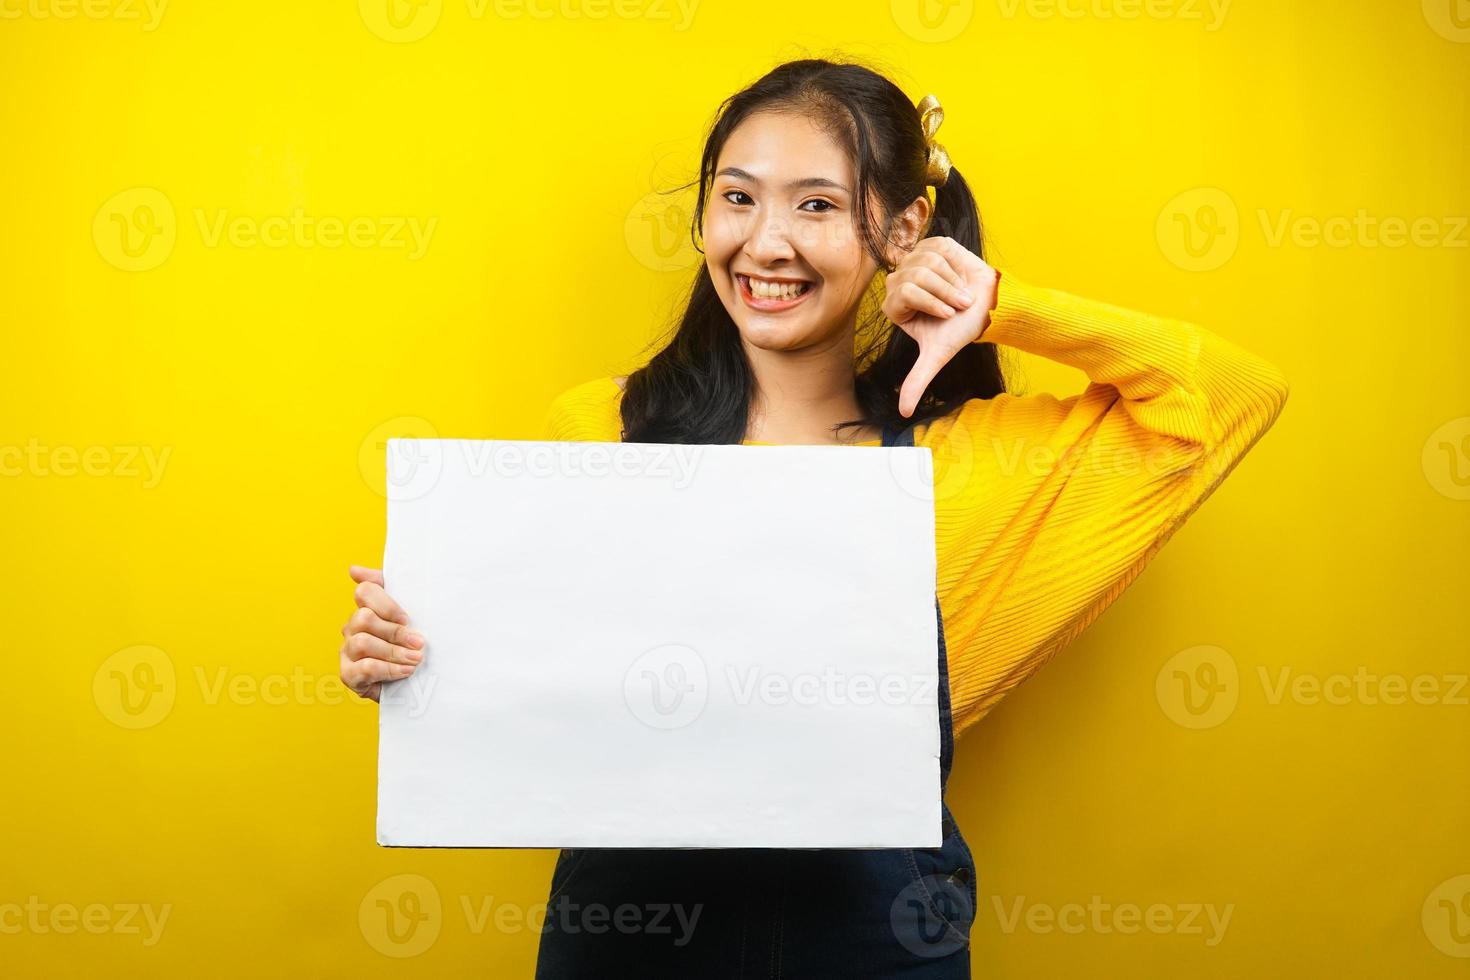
(707, 914)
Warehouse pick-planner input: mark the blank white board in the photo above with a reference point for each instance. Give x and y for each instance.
(648, 645)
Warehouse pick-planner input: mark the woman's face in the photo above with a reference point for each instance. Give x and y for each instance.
(780, 238)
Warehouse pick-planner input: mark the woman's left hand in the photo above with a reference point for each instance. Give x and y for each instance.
(941, 294)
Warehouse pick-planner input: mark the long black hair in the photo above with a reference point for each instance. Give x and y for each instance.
(698, 388)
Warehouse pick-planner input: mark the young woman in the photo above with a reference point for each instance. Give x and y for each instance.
(813, 179)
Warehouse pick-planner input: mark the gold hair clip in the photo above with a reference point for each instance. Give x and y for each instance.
(931, 114)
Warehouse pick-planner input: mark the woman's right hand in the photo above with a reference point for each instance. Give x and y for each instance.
(377, 644)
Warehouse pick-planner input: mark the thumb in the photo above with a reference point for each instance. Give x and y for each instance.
(926, 366)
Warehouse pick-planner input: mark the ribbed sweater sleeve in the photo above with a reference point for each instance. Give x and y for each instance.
(1046, 509)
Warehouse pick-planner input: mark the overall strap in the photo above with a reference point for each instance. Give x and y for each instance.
(894, 437)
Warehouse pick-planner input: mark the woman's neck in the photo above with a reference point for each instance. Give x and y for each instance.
(801, 395)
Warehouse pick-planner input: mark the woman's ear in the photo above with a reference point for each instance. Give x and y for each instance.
(908, 230)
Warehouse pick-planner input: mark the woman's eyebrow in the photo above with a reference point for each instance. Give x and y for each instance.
(739, 174)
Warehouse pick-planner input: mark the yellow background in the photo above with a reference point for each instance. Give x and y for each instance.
(242, 796)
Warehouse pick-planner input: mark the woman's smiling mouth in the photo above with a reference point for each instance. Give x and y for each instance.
(773, 295)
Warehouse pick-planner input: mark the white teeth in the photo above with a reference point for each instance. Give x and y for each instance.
(775, 290)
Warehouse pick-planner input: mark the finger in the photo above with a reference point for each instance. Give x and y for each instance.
(893, 305)
(360, 686)
(894, 309)
(371, 595)
(937, 285)
(925, 368)
(373, 692)
(957, 255)
(365, 646)
(934, 259)
(361, 573)
(361, 675)
(916, 297)
(364, 620)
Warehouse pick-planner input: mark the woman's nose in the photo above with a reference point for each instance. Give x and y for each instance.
(769, 239)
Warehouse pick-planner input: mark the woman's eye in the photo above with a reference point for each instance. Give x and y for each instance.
(740, 197)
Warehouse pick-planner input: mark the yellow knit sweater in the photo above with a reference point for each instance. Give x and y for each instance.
(1046, 509)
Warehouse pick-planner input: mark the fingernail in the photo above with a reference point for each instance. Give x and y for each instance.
(966, 298)
(402, 670)
(414, 656)
(416, 640)
(948, 310)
